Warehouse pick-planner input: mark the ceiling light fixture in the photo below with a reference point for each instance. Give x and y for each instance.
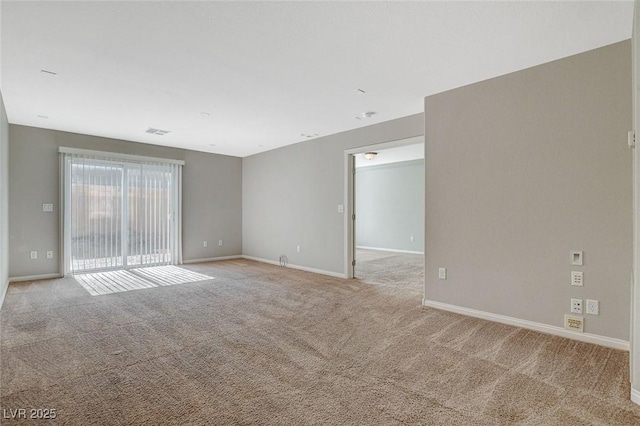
(205, 114)
(43, 116)
(360, 92)
(48, 72)
(308, 135)
(212, 144)
(370, 155)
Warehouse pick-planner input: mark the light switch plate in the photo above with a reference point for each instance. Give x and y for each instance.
(47, 207)
(442, 273)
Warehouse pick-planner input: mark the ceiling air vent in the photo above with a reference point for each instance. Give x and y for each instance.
(158, 132)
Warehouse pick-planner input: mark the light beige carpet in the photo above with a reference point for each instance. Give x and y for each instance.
(262, 344)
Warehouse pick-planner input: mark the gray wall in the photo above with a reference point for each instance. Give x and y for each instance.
(211, 209)
(520, 170)
(4, 202)
(390, 206)
(290, 195)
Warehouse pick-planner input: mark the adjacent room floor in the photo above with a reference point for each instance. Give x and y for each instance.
(393, 269)
(264, 344)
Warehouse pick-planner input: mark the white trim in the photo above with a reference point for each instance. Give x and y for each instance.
(634, 356)
(635, 396)
(117, 156)
(349, 166)
(301, 268)
(4, 289)
(35, 277)
(390, 250)
(530, 325)
(211, 259)
(413, 140)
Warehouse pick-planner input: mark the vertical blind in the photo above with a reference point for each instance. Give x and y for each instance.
(120, 212)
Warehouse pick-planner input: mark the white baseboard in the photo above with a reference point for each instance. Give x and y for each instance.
(391, 250)
(302, 268)
(530, 325)
(635, 396)
(211, 259)
(3, 293)
(35, 277)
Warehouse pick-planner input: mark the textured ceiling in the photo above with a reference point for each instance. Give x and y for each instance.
(267, 72)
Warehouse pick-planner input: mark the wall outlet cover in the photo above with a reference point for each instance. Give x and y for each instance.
(577, 278)
(576, 306)
(593, 307)
(574, 323)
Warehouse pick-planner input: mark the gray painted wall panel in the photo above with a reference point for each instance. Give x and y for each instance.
(520, 170)
(211, 210)
(291, 194)
(390, 206)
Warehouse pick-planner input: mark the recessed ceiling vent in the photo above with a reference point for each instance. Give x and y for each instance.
(158, 132)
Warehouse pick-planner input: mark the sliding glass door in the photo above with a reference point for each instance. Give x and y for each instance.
(120, 214)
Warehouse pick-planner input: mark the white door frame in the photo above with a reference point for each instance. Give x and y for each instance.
(349, 167)
(634, 335)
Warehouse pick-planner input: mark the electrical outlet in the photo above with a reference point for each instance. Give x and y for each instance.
(49, 254)
(574, 323)
(298, 249)
(412, 238)
(33, 255)
(204, 244)
(219, 243)
(577, 278)
(593, 307)
(576, 306)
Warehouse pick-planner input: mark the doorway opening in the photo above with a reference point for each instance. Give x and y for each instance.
(385, 214)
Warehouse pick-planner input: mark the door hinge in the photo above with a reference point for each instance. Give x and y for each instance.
(353, 263)
(353, 216)
(631, 139)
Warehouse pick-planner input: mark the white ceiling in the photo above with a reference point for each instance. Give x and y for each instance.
(268, 72)
(393, 155)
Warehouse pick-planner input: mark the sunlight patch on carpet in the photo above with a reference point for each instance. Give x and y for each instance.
(100, 283)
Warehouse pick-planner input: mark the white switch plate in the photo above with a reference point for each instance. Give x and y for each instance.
(219, 243)
(50, 254)
(593, 307)
(340, 208)
(577, 278)
(412, 238)
(442, 273)
(576, 306)
(204, 244)
(298, 249)
(47, 207)
(33, 255)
